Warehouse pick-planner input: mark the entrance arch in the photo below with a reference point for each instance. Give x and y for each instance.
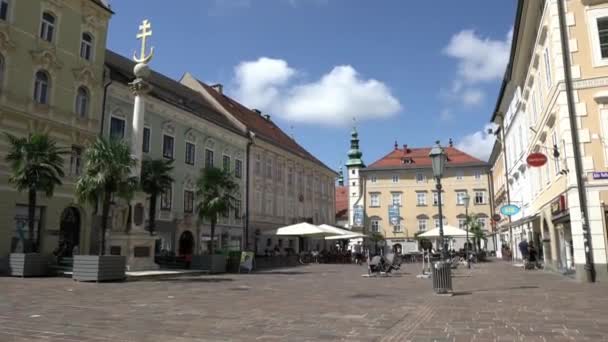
(186, 243)
(69, 232)
(397, 249)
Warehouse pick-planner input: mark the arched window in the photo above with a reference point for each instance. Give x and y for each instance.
(86, 46)
(82, 102)
(3, 10)
(42, 87)
(47, 29)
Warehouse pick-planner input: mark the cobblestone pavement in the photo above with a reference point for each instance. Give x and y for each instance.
(493, 302)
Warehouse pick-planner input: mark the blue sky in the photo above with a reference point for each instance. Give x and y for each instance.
(411, 71)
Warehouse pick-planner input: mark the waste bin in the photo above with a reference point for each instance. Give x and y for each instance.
(442, 277)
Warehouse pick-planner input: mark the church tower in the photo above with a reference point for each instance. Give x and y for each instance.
(353, 165)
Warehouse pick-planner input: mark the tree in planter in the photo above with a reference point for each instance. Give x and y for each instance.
(36, 164)
(214, 190)
(155, 178)
(376, 238)
(107, 172)
(475, 231)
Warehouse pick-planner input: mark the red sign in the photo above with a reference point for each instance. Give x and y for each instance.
(536, 159)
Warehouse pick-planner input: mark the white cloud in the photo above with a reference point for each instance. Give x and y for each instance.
(334, 99)
(472, 96)
(479, 59)
(259, 81)
(478, 144)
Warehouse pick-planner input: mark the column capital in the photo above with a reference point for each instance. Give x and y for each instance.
(139, 87)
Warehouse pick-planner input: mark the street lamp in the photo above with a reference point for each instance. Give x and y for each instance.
(466, 199)
(438, 161)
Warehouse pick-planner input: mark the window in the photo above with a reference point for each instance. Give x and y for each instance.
(462, 223)
(226, 163)
(396, 196)
(435, 198)
(422, 224)
(395, 179)
(374, 179)
(2, 71)
(168, 146)
(353, 172)
(86, 46)
(420, 178)
(237, 209)
(82, 102)
(459, 174)
(280, 172)
(482, 222)
(145, 145)
(289, 176)
(238, 168)
(166, 199)
(76, 161)
(190, 153)
(397, 228)
(47, 29)
(117, 128)
(436, 223)
(460, 197)
(208, 158)
(421, 198)
(375, 226)
(480, 197)
(188, 201)
(42, 87)
(3, 9)
(258, 164)
(547, 68)
(477, 174)
(268, 167)
(375, 200)
(602, 30)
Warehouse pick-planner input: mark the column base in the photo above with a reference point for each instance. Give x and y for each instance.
(601, 272)
(137, 248)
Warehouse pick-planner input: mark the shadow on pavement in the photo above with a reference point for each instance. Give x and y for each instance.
(193, 280)
(368, 295)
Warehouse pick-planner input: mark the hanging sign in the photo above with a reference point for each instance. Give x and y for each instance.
(496, 217)
(358, 215)
(600, 175)
(536, 159)
(393, 214)
(509, 210)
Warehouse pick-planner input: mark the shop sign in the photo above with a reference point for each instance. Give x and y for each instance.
(358, 215)
(536, 159)
(509, 210)
(393, 214)
(600, 175)
(558, 205)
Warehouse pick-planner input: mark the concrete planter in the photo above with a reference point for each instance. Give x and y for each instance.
(212, 263)
(27, 265)
(99, 268)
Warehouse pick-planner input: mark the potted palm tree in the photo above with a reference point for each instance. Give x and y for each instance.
(36, 164)
(107, 174)
(477, 234)
(214, 190)
(155, 178)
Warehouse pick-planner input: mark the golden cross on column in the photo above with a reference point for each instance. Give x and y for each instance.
(145, 31)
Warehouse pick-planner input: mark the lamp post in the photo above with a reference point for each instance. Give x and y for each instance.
(438, 161)
(466, 199)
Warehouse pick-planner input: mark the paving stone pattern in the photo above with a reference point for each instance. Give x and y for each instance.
(493, 302)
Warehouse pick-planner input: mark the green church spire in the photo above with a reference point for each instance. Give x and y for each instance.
(354, 154)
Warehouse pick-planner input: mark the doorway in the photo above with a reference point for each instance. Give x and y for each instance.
(186, 243)
(69, 233)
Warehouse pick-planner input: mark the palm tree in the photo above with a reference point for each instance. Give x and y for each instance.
(215, 191)
(36, 165)
(155, 178)
(107, 172)
(376, 238)
(476, 231)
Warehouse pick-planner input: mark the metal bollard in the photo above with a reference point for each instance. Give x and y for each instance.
(442, 277)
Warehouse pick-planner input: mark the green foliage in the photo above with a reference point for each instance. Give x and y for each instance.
(475, 230)
(376, 237)
(107, 172)
(36, 164)
(215, 190)
(155, 178)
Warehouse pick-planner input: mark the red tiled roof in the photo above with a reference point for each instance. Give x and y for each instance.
(341, 202)
(419, 157)
(262, 127)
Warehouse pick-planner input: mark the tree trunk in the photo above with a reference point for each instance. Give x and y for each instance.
(105, 211)
(212, 246)
(152, 214)
(31, 218)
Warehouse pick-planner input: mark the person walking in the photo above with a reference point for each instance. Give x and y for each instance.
(358, 253)
(523, 248)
